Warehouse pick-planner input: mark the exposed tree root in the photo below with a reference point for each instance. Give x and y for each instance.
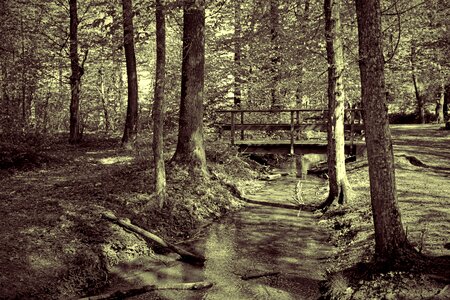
(186, 256)
(149, 288)
(341, 198)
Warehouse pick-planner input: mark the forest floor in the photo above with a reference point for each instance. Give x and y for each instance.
(56, 245)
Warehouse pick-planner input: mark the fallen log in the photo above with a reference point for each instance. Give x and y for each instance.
(186, 256)
(149, 288)
(270, 177)
(259, 275)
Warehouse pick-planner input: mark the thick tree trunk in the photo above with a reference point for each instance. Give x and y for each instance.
(75, 77)
(338, 182)
(190, 149)
(390, 238)
(131, 121)
(237, 54)
(159, 105)
(419, 98)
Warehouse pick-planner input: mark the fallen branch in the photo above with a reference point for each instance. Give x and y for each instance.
(259, 275)
(186, 256)
(149, 288)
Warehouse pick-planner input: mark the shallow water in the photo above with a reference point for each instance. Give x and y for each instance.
(256, 240)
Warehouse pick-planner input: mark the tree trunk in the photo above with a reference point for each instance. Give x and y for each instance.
(419, 98)
(190, 150)
(302, 20)
(440, 106)
(446, 106)
(237, 54)
(159, 105)
(131, 121)
(390, 238)
(103, 100)
(275, 59)
(75, 77)
(338, 182)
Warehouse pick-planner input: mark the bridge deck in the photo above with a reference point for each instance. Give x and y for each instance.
(299, 147)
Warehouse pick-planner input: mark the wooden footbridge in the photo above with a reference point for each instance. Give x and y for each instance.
(288, 131)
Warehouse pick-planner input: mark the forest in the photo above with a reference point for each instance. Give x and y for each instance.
(194, 149)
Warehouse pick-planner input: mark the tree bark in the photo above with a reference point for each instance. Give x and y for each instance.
(390, 238)
(159, 104)
(338, 182)
(190, 149)
(131, 121)
(75, 78)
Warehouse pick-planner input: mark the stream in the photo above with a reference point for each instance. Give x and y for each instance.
(258, 239)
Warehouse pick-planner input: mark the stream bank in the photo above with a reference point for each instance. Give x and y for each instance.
(283, 249)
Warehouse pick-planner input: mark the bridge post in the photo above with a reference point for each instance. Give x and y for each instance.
(297, 132)
(292, 133)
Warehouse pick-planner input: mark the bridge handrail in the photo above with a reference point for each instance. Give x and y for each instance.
(294, 123)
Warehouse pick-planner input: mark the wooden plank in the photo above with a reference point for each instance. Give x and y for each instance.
(287, 127)
(300, 147)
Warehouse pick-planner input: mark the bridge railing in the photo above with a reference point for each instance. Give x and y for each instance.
(294, 121)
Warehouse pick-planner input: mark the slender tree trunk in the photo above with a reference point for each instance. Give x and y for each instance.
(103, 100)
(275, 59)
(446, 106)
(159, 104)
(190, 149)
(338, 182)
(131, 121)
(237, 54)
(75, 77)
(440, 106)
(419, 98)
(23, 76)
(390, 239)
(302, 20)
